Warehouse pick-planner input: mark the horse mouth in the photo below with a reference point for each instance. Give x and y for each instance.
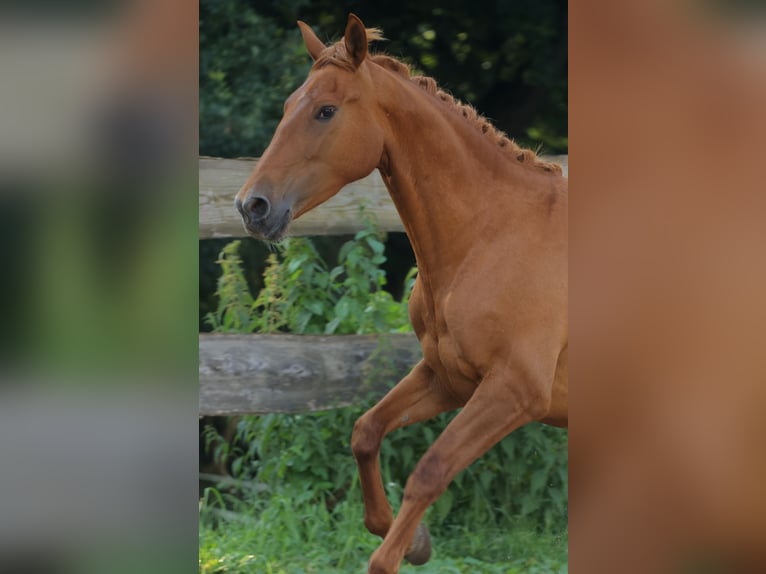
(271, 229)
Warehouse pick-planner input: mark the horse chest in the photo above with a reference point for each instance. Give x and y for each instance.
(441, 353)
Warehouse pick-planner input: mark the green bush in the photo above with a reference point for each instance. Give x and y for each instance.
(301, 294)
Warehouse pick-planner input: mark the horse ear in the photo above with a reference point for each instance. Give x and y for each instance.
(356, 40)
(313, 44)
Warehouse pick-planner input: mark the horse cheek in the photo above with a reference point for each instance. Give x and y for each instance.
(366, 149)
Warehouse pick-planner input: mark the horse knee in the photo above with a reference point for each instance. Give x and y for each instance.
(365, 439)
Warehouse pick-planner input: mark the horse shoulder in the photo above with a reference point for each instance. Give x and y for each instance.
(506, 313)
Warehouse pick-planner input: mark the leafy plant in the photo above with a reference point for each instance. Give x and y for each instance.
(301, 294)
(234, 313)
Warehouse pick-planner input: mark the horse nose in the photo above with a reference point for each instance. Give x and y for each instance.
(255, 208)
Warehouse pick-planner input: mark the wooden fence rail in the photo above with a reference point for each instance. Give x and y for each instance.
(255, 374)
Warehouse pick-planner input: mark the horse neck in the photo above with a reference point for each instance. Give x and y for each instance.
(444, 176)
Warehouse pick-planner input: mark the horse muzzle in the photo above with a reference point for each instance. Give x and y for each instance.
(264, 219)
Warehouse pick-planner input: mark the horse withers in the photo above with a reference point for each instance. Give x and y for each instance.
(487, 221)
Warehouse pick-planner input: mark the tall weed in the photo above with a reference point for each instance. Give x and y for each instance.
(302, 294)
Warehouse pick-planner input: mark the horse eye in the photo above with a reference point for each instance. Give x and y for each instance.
(326, 112)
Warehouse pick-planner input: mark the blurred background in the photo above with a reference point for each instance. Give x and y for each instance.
(667, 275)
(98, 201)
(508, 59)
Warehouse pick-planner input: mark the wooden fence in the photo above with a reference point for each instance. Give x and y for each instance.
(241, 374)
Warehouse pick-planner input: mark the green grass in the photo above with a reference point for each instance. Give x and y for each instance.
(289, 533)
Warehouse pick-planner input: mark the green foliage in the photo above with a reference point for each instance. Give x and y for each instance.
(285, 533)
(508, 59)
(235, 301)
(302, 295)
(523, 477)
(248, 65)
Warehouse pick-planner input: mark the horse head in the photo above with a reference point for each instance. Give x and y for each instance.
(329, 136)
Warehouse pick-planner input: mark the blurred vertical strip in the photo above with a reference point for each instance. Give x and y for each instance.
(667, 284)
(98, 305)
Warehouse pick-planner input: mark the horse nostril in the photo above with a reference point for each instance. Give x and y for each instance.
(257, 207)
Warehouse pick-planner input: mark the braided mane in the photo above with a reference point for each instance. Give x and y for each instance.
(335, 55)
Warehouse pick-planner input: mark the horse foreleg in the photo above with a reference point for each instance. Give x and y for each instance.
(495, 410)
(417, 397)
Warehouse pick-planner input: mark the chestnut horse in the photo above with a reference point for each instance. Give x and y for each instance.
(488, 225)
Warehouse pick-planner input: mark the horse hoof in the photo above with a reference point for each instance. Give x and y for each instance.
(420, 549)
